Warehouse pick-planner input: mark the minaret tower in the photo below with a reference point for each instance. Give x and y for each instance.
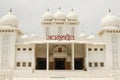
(110, 33)
(60, 26)
(9, 32)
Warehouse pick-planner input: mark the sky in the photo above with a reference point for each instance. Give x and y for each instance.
(30, 12)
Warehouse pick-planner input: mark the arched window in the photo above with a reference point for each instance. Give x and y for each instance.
(60, 48)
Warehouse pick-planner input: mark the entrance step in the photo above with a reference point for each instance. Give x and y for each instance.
(61, 74)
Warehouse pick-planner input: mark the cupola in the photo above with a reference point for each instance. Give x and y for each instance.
(25, 36)
(82, 35)
(72, 16)
(47, 16)
(91, 37)
(59, 15)
(110, 20)
(9, 20)
(34, 35)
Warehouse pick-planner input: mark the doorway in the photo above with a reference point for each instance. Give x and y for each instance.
(59, 63)
(41, 63)
(79, 63)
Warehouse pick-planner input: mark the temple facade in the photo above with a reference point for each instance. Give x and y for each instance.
(61, 52)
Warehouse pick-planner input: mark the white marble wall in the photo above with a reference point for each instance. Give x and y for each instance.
(7, 51)
(96, 56)
(24, 56)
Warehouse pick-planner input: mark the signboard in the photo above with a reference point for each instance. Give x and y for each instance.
(61, 37)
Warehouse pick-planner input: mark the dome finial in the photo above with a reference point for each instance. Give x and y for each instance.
(59, 8)
(10, 10)
(48, 10)
(72, 9)
(82, 31)
(109, 10)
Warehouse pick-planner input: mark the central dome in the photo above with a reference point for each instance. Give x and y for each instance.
(59, 15)
(9, 20)
(110, 20)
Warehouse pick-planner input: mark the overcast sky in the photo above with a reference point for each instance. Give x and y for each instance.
(90, 12)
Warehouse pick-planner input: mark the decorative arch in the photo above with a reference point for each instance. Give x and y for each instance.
(60, 51)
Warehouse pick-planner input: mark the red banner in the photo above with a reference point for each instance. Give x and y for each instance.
(60, 37)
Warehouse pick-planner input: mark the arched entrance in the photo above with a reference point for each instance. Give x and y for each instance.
(60, 59)
(60, 63)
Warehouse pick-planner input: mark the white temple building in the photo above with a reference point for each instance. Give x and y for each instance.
(61, 53)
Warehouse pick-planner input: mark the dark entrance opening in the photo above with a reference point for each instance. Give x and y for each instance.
(79, 63)
(41, 63)
(59, 63)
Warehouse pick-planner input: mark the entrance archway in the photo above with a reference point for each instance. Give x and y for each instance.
(60, 63)
(60, 59)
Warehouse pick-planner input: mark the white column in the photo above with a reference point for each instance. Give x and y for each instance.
(11, 50)
(86, 56)
(72, 56)
(0, 50)
(34, 57)
(47, 56)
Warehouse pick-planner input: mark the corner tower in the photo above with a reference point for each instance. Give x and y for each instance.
(110, 33)
(60, 26)
(9, 32)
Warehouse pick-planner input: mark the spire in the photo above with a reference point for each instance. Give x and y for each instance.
(109, 10)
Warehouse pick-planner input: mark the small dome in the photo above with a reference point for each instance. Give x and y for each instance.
(110, 20)
(47, 16)
(72, 16)
(91, 37)
(82, 35)
(25, 36)
(59, 15)
(9, 19)
(34, 35)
